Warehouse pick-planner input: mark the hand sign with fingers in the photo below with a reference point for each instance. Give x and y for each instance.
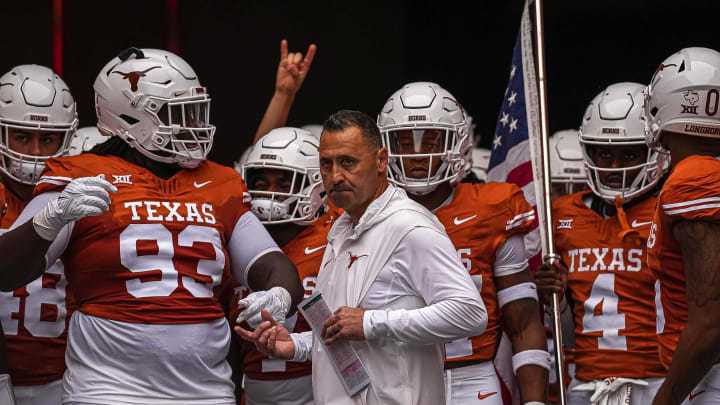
(293, 68)
(270, 338)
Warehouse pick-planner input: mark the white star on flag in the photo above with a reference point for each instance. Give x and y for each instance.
(512, 97)
(513, 124)
(505, 118)
(497, 142)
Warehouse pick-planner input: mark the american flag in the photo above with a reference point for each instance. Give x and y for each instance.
(518, 124)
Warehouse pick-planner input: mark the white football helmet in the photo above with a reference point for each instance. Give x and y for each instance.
(153, 100)
(566, 160)
(294, 151)
(480, 163)
(84, 139)
(33, 98)
(684, 96)
(433, 126)
(237, 165)
(314, 129)
(614, 117)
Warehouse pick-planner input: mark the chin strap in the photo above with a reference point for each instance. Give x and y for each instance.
(628, 234)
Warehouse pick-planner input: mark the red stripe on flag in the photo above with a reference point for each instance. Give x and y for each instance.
(57, 37)
(521, 174)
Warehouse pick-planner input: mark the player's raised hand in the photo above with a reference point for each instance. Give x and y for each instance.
(292, 68)
(276, 301)
(270, 338)
(82, 197)
(551, 277)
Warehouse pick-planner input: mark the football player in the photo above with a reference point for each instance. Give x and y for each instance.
(567, 170)
(283, 177)
(681, 108)
(37, 120)
(425, 131)
(147, 228)
(600, 235)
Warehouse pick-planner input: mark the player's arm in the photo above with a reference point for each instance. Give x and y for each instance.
(40, 233)
(517, 297)
(257, 262)
(290, 75)
(697, 349)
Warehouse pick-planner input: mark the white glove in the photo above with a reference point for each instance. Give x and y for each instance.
(275, 300)
(610, 391)
(82, 197)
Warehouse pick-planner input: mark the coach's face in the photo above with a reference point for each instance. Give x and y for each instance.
(352, 169)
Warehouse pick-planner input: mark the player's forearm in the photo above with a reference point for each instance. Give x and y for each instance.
(276, 114)
(22, 256)
(697, 350)
(522, 320)
(274, 269)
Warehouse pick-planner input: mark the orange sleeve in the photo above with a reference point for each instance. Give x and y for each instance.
(521, 216)
(61, 171)
(693, 190)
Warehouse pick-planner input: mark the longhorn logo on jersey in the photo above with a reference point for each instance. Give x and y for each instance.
(134, 77)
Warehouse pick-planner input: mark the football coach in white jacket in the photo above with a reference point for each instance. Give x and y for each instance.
(391, 275)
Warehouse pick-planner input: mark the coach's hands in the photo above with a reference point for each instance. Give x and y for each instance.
(292, 69)
(270, 338)
(82, 197)
(346, 323)
(551, 277)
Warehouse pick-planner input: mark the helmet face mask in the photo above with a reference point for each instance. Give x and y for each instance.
(282, 173)
(34, 102)
(426, 133)
(154, 102)
(614, 119)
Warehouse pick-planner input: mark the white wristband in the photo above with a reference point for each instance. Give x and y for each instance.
(533, 403)
(534, 357)
(44, 226)
(517, 292)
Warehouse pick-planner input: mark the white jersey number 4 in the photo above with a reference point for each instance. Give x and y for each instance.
(610, 321)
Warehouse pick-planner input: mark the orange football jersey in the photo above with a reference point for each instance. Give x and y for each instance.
(157, 256)
(478, 221)
(34, 317)
(612, 288)
(306, 252)
(691, 192)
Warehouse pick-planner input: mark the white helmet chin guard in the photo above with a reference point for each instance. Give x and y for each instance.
(294, 153)
(153, 100)
(84, 139)
(421, 124)
(33, 99)
(684, 96)
(566, 160)
(614, 118)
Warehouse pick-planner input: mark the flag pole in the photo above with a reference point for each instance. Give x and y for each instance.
(546, 225)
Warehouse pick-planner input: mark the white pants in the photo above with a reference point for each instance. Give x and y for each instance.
(641, 395)
(47, 394)
(475, 384)
(707, 392)
(6, 393)
(294, 391)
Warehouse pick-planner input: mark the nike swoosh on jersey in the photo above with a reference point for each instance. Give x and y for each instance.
(483, 396)
(636, 224)
(309, 251)
(198, 185)
(462, 221)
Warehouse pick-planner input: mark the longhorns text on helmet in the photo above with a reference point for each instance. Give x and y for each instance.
(614, 118)
(684, 96)
(33, 98)
(153, 100)
(417, 112)
(294, 151)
